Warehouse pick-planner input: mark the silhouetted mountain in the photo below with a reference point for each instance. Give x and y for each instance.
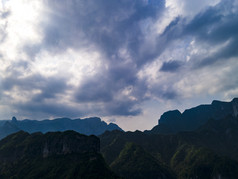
(209, 152)
(52, 155)
(192, 119)
(86, 126)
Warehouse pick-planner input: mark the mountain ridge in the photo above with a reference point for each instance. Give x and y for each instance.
(52, 155)
(208, 152)
(87, 126)
(191, 119)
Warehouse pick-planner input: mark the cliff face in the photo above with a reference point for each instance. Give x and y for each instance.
(22, 144)
(191, 119)
(52, 155)
(69, 142)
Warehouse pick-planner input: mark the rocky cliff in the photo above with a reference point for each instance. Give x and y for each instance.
(23, 144)
(191, 119)
(52, 155)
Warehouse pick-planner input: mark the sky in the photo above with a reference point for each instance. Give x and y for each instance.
(126, 61)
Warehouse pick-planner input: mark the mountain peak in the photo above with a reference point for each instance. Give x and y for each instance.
(235, 100)
(14, 119)
(191, 119)
(174, 115)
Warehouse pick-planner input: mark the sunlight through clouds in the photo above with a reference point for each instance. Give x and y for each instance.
(115, 59)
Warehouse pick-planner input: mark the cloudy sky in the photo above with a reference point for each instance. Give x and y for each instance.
(126, 61)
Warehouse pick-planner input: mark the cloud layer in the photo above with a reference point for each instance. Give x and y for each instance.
(79, 58)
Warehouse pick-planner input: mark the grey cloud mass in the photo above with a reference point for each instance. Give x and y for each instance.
(105, 58)
(172, 66)
(214, 26)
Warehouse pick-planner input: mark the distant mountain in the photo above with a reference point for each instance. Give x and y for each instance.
(200, 143)
(192, 119)
(88, 126)
(7, 128)
(52, 155)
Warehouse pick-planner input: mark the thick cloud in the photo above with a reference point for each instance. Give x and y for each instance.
(171, 66)
(118, 30)
(108, 58)
(109, 25)
(118, 88)
(213, 27)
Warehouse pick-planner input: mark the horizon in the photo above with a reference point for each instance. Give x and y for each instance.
(64, 117)
(126, 62)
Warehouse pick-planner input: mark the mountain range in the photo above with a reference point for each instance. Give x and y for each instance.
(87, 126)
(191, 119)
(208, 152)
(177, 147)
(200, 143)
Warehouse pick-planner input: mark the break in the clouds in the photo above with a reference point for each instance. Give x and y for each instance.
(80, 58)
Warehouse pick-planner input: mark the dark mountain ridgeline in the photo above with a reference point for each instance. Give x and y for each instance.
(191, 119)
(176, 148)
(208, 149)
(209, 152)
(86, 126)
